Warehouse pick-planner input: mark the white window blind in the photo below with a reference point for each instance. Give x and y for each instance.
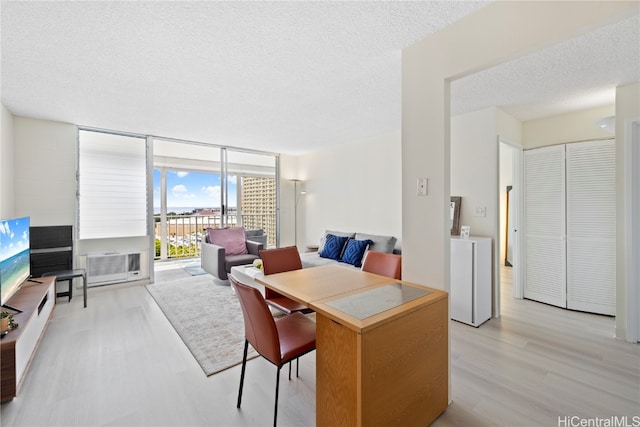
(112, 185)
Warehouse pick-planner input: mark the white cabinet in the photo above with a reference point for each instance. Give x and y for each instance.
(470, 293)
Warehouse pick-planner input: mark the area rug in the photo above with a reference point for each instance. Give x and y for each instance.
(194, 269)
(207, 317)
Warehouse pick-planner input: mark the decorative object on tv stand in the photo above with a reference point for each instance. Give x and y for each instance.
(464, 231)
(7, 322)
(454, 218)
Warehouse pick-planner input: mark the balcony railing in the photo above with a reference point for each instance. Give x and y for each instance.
(186, 232)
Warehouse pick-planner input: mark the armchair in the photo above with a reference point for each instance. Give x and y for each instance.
(257, 236)
(226, 248)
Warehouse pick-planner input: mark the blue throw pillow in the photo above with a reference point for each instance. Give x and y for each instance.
(333, 246)
(354, 251)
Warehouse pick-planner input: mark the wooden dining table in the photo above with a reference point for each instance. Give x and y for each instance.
(381, 345)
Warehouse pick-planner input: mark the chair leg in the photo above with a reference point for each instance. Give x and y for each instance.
(297, 367)
(244, 365)
(275, 410)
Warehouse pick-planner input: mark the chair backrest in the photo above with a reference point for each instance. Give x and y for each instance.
(280, 260)
(259, 327)
(384, 264)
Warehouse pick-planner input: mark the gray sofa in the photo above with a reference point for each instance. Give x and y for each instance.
(381, 243)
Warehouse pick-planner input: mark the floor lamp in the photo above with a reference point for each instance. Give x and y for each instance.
(296, 197)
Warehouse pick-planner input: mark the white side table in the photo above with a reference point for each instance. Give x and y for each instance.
(247, 274)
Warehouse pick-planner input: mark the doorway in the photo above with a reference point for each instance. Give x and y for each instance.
(509, 196)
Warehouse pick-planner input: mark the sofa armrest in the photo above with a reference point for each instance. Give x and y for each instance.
(254, 247)
(212, 260)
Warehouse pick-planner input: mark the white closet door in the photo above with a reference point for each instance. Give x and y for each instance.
(591, 227)
(544, 226)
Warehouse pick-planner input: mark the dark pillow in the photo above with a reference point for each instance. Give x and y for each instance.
(335, 233)
(354, 251)
(333, 246)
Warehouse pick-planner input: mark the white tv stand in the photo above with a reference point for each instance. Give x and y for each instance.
(17, 348)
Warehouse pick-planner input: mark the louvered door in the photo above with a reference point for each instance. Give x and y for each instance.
(544, 225)
(591, 226)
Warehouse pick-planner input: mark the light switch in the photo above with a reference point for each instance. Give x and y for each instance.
(480, 211)
(422, 186)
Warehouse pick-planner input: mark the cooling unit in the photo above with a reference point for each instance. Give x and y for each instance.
(112, 268)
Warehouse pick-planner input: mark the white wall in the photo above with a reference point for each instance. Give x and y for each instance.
(474, 168)
(289, 171)
(45, 155)
(45, 171)
(463, 48)
(627, 107)
(6, 164)
(475, 175)
(563, 128)
(352, 187)
(509, 132)
(495, 34)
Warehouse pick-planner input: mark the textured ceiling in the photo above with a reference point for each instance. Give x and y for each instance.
(278, 76)
(577, 74)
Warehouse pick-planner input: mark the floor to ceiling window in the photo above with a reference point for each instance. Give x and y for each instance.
(154, 198)
(256, 191)
(199, 186)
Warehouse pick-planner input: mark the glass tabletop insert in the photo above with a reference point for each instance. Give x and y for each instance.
(373, 301)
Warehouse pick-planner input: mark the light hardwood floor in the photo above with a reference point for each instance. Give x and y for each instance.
(119, 362)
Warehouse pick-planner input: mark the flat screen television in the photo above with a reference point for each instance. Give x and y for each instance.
(15, 265)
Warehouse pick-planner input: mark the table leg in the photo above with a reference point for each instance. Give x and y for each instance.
(84, 289)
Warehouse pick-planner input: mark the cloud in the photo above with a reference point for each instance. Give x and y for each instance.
(212, 191)
(179, 189)
(179, 174)
(4, 227)
(24, 242)
(233, 179)
(180, 192)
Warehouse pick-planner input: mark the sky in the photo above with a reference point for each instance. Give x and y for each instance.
(192, 190)
(14, 236)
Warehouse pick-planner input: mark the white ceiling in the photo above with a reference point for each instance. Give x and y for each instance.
(284, 77)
